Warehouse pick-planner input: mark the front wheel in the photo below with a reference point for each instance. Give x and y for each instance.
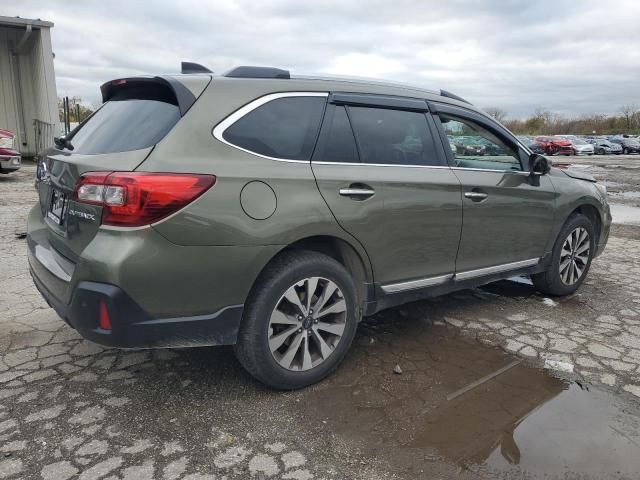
(299, 320)
(570, 259)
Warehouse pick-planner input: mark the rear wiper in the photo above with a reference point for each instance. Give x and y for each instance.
(63, 142)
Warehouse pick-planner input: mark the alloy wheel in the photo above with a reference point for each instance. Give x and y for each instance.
(307, 324)
(574, 256)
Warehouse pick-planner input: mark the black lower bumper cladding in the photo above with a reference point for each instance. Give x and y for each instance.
(132, 327)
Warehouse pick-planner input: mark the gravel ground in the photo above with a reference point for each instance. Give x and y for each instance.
(72, 409)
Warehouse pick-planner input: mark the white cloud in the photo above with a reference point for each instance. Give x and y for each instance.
(570, 57)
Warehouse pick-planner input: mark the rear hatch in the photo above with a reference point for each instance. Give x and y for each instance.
(137, 113)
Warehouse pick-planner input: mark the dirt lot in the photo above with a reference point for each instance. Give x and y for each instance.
(472, 401)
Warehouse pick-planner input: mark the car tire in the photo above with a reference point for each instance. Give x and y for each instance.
(301, 359)
(560, 278)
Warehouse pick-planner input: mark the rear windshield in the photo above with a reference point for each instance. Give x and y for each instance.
(126, 123)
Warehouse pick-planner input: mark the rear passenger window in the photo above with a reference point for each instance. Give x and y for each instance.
(338, 144)
(282, 128)
(392, 137)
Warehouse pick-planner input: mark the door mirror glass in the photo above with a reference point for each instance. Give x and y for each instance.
(539, 164)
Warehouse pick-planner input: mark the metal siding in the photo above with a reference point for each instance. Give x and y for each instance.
(39, 96)
(8, 114)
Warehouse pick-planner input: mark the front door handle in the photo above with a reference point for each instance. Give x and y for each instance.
(475, 196)
(357, 192)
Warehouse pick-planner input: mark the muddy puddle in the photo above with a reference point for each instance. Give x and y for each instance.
(473, 406)
(625, 214)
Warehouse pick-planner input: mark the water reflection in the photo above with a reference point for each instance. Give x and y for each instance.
(468, 403)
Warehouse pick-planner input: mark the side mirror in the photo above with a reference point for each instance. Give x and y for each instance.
(63, 142)
(539, 164)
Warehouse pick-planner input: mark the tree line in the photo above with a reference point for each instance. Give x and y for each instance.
(544, 121)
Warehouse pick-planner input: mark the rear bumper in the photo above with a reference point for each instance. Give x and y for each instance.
(10, 163)
(132, 327)
(158, 294)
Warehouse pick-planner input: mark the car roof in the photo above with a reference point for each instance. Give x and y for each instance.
(282, 80)
(265, 80)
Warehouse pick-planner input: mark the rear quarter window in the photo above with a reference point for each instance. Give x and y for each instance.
(284, 128)
(127, 123)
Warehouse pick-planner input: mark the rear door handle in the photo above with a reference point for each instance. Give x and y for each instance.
(475, 195)
(357, 192)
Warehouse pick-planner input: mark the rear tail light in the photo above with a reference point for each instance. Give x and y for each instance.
(133, 199)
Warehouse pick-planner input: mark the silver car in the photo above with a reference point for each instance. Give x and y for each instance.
(602, 146)
(580, 146)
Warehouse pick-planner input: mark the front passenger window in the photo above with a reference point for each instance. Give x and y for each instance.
(473, 146)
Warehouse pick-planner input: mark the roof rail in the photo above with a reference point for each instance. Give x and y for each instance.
(190, 67)
(444, 93)
(257, 72)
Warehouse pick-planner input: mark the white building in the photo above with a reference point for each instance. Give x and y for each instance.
(28, 97)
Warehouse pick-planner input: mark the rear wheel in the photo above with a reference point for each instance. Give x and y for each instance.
(570, 260)
(299, 321)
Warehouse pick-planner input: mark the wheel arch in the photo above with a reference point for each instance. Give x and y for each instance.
(351, 257)
(584, 205)
(592, 213)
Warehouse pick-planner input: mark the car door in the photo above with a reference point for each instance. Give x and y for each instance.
(380, 173)
(507, 216)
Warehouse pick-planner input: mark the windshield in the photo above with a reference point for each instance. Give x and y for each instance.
(578, 141)
(125, 125)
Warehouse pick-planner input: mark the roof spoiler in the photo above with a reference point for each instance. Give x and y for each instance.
(190, 67)
(444, 93)
(184, 98)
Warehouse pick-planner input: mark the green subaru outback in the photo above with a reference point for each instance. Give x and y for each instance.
(272, 212)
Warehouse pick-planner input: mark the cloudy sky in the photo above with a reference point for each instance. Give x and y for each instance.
(571, 57)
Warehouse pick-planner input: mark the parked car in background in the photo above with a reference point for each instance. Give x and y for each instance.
(491, 148)
(531, 144)
(579, 146)
(10, 159)
(628, 144)
(469, 146)
(602, 146)
(555, 145)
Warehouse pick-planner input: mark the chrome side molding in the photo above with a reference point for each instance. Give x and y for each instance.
(505, 267)
(457, 277)
(410, 285)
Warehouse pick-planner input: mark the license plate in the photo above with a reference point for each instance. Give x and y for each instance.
(57, 207)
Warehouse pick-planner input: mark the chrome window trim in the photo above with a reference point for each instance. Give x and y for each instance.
(516, 172)
(359, 164)
(219, 129)
(412, 284)
(505, 267)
